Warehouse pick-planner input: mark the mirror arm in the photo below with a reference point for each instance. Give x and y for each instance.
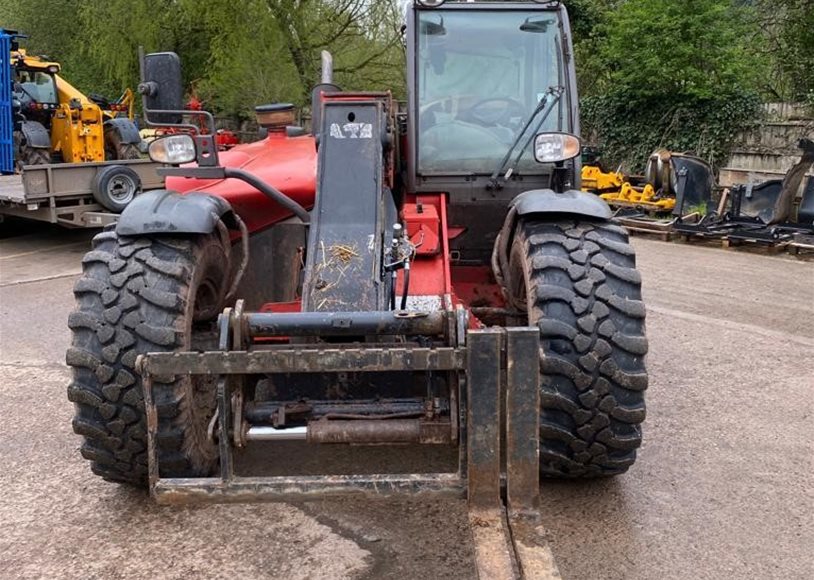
(210, 120)
(558, 175)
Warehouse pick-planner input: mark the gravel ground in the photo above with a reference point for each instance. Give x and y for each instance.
(722, 489)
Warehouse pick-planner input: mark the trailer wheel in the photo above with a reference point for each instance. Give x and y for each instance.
(139, 295)
(115, 186)
(578, 282)
(115, 150)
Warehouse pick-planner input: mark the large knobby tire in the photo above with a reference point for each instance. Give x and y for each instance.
(115, 150)
(578, 282)
(139, 295)
(27, 155)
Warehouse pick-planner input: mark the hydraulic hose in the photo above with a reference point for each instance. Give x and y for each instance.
(406, 285)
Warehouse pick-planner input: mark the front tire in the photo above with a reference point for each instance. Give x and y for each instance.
(25, 154)
(577, 281)
(116, 150)
(139, 295)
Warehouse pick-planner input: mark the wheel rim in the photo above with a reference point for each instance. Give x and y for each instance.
(121, 189)
(206, 300)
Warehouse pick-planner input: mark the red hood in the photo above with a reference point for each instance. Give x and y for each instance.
(287, 163)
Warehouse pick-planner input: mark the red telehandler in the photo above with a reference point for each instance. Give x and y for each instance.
(430, 276)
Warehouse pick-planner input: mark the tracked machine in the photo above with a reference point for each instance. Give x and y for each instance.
(426, 277)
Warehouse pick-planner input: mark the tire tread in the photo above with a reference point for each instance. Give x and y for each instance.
(584, 292)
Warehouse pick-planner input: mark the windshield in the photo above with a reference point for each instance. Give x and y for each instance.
(480, 76)
(37, 86)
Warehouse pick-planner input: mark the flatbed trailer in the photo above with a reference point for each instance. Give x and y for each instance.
(62, 193)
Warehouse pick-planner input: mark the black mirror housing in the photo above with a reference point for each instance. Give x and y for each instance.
(161, 87)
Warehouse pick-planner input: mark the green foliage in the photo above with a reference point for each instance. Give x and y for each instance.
(675, 74)
(630, 127)
(696, 48)
(235, 55)
(794, 54)
(589, 22)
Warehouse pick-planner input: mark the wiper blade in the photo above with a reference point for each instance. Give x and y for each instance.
(550, 99)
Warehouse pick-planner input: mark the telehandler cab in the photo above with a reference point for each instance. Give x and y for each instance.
(425, 276)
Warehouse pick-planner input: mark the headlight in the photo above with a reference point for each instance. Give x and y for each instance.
(555, 147)
(173, 149)
(430, 3)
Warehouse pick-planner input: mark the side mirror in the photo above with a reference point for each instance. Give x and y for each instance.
(161, 87)
(556, 147)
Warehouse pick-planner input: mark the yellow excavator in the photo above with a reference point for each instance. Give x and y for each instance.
(57, 123)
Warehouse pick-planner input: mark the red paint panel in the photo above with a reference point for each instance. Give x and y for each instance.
(424, 227)
(429, 275)
(287, 163)
(476, 286)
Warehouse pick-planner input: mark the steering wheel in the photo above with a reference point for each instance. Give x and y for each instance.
(488, 116)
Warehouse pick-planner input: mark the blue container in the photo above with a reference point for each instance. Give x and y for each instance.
(6, 119)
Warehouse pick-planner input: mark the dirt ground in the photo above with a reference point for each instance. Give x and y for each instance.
(723, 487)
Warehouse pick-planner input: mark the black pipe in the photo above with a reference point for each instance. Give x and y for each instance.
(393, 278)
(264, 324)
(263, 412)
(269, 191)
(406, 285)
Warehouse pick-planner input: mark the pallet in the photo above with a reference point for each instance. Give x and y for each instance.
(663, 229)
(755, 243)
(801, 244)
(664, 236)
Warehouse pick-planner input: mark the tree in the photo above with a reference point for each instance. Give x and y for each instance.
(679, 74)
(689, 47)
(788, 29)
(236, 54)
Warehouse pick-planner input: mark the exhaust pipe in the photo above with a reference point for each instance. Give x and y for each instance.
(326, 85)
(327, 68)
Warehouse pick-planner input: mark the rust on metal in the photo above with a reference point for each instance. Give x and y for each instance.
(304, 488)
(151, 412)
(365, 431)
(379, 432)
(483, 417)
(533, 554)
(522, 418)
(304, 360)
(493, 556)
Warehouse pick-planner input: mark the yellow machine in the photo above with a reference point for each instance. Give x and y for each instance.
(639, 197)
(618, 191)
(74, 128)
(597, 181)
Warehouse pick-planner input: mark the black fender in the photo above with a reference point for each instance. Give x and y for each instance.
(126, 128)
(572, 203)
(161, 211)
(35, 134)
